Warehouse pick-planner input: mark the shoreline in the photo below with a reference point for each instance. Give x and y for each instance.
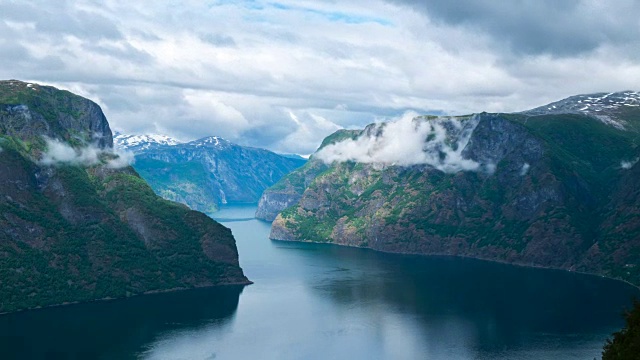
(532, 266)
(239, 284)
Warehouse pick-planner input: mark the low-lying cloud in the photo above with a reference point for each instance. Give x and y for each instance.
(59, 152)
(123, 158)
(628, 164)
(411, 140)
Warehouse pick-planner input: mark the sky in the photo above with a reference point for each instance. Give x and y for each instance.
(283, 74)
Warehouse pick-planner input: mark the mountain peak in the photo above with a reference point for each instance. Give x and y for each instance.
(606, 107)
(211, 141)
(31, 110)
(143, 142)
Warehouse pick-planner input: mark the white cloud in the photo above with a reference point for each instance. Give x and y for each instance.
(211, 116)
(308, 127)
(236, 69)
(58, 152)
(410, 140)
(123, 158)
(626, 165)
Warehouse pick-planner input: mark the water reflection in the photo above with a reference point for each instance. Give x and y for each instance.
(312, 301)
(115, 329)
(461, 305)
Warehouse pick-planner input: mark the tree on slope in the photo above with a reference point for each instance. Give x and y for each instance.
(625, 344)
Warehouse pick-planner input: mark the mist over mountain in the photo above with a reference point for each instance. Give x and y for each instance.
(557, 186)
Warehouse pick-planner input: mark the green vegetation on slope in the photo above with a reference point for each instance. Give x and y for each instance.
(625, 344)
(97, 233)
(187, 183)
(206, 173)
(70, 233)
(30, 111)
(558, 198)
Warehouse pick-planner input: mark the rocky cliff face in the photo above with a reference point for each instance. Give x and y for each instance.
(273, 202)
(83, 227)
(288, 191)
(31, 111)
(206, 173)
(554, 190)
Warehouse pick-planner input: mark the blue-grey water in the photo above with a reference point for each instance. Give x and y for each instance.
(313, 301)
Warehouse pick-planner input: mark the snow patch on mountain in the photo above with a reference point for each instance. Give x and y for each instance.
(211, 141)
(143, 142)
(602, 106)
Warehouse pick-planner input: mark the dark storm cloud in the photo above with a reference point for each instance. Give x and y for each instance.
(555, 27)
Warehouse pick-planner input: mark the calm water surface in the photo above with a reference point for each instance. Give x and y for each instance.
(313, 301)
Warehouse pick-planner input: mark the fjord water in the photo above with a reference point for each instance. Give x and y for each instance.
(313, 301)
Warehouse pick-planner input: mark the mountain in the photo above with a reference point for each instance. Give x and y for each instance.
(78, 224)
(208, 172)
(610, 108)
(289, 190)
(137, 143)
(557, 186)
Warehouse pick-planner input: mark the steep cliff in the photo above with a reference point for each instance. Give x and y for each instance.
(288, 191)
(554, 189)
(208, 172)
(30, 111)
(77, 224)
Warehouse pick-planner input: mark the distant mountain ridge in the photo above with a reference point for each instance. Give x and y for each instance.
(557, 186)
(208, 172)
(610, 108)
(142, 142)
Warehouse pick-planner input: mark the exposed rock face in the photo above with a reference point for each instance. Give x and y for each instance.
(288, 191)
(273, 202)
(206, 173)
(27, 113)
(612, 109)
(551, 192)
(72, 233)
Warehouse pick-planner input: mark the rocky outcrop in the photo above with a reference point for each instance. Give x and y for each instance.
(273, 202)
(27, 112)
(79, 231)
(282, 230)
(288, 191)
(549, 190)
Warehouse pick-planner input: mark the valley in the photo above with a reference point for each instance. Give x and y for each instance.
(205, 173)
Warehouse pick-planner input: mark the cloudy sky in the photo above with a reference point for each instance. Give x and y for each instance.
(283, 74)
